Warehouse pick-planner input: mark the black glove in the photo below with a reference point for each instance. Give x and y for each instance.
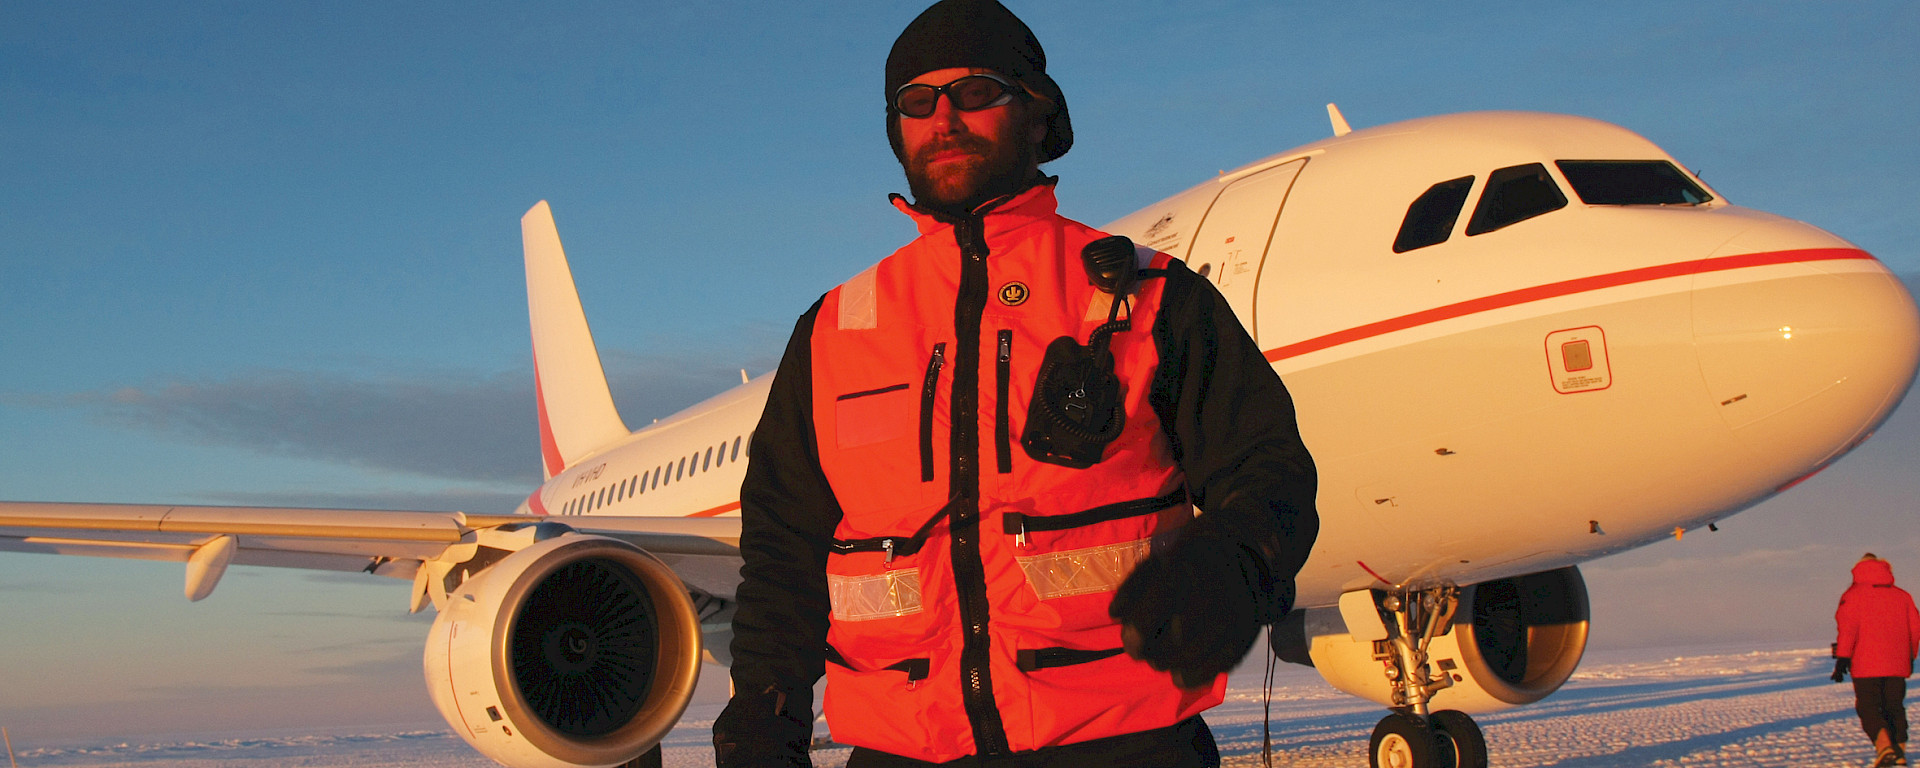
(770, 728)
(1195, 608)
(1841, 666)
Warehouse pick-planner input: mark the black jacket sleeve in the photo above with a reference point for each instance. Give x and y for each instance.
(787, 517)
(1232, 427)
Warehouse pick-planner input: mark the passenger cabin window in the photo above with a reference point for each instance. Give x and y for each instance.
(736, 449)
(1631, 182)
(1514, 195)
(1431, 218)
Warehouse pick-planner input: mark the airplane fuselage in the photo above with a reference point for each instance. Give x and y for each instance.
(1484, 397)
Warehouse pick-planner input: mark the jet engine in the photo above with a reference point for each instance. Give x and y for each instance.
(573, 651)
(1510, 642)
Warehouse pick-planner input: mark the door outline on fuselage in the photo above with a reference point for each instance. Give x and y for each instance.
(1249, 207)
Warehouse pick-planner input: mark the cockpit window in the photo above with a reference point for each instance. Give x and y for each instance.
(1515, 194)
(1430, 219)
(1631, 182)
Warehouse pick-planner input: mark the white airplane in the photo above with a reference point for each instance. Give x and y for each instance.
(1517, 342)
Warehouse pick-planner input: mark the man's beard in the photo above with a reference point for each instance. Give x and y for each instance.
(991, 170)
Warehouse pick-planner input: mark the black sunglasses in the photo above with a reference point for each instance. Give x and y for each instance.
(968, 94)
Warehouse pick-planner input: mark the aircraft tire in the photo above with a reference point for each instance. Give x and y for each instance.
(1460, 738)
(1403, 741)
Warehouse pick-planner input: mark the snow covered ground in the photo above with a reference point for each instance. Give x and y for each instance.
(1696, 707)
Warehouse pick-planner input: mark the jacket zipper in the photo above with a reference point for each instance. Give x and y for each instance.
(927, 392)
(915, 669)
(893, 546)
(1002, 436)
(1019, 524)
(1030, 659)
(964, 453)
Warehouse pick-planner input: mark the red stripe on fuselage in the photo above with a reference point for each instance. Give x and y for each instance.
(1556, 290)
(535, 505)
(716, 511)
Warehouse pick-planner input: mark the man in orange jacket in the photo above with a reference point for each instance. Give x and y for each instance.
(1879, 635)
(970, 502)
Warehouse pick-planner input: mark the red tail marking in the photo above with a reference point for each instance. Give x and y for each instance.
(549, 449)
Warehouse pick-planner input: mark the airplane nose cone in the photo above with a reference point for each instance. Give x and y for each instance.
(1804, 349)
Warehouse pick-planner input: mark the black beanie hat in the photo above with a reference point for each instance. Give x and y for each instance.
(976, 33)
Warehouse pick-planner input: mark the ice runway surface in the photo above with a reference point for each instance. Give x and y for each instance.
(1695, 707)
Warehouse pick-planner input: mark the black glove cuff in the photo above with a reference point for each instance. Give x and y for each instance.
(765, 725)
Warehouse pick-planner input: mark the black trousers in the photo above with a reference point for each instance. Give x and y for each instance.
(1882, 704)
(1186, 744)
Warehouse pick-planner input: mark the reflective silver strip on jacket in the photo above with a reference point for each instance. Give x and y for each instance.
(1083, 571)
(879, 596)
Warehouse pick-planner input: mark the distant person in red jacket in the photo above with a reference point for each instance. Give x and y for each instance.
(1879, 636)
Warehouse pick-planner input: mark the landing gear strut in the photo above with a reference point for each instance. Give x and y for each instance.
(1413, 737)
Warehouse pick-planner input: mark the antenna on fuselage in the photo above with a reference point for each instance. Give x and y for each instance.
(1340, 127)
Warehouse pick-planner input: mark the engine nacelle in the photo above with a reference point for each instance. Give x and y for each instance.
(1511, 642)
(574, 651)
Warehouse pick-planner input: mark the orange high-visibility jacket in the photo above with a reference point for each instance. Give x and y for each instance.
(961, 586)
(922, 373)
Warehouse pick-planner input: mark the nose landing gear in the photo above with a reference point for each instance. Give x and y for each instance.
(1413, 737)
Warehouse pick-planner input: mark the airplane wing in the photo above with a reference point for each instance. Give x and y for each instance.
(382, 542)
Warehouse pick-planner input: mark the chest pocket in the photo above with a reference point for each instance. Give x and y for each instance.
(873, 416)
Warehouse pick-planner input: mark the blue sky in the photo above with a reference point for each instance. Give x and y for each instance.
(268, 253)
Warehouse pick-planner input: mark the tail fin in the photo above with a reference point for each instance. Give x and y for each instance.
(577, 415)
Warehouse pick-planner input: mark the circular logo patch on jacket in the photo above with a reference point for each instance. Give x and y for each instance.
(1014, 293)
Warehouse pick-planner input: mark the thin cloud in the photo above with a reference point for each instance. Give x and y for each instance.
(461, 426)
(398, 664)
(40, 588)
(457, 427)
(480, 501)
(408, 647)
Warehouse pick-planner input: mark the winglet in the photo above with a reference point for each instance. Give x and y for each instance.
(577, 415)
(1340, 127)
